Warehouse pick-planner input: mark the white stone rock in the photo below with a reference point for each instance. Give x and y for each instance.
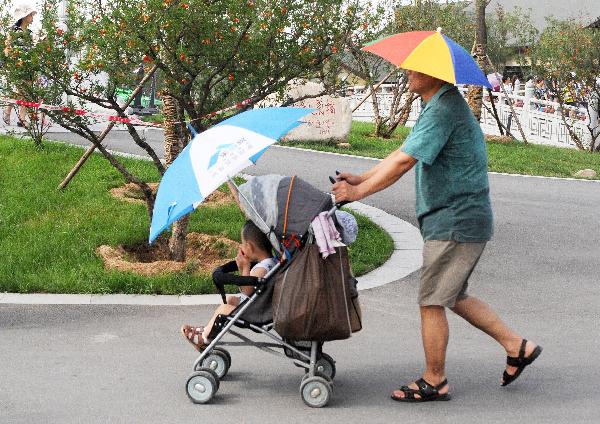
(586, 173)
(330, 123)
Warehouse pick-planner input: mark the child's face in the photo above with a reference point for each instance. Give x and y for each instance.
(248, 249)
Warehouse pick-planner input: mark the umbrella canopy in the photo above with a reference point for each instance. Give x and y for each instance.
(214, 156)
(431, 53)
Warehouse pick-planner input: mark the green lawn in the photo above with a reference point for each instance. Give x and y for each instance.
(513, 157)
(48, 238)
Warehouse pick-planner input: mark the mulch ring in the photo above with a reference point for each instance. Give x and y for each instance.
(131, 193)
(499, 139)
(203, 254)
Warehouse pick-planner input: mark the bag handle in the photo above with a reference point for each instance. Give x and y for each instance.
(287, 207)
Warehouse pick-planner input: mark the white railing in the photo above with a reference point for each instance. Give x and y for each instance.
(541, 120)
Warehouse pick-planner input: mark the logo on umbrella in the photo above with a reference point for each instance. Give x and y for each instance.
(221, 152)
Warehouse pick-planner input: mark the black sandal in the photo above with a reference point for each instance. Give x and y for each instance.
(520, 362)
(426, 391)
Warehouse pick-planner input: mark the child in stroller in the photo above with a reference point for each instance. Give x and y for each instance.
(255, 248)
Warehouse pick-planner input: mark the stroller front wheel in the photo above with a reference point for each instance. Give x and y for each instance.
(315, 391)
(201, 386)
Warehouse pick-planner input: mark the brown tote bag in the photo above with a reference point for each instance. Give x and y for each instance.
(313, 298)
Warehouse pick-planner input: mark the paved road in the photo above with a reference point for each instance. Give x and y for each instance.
(99, 364)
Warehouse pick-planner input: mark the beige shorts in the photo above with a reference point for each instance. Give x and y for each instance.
(447, 266)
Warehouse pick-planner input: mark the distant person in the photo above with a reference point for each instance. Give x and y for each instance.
(508, 86)
(20, 36)
(516, 85)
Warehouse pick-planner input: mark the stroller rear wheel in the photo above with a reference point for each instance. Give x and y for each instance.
(326, 366)
(201, 386)
(315, 391)
(218, 361)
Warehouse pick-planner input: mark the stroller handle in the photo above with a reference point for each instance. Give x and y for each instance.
(338, 205)
(223, 275)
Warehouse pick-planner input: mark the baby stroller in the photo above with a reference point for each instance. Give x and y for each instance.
(283, 208)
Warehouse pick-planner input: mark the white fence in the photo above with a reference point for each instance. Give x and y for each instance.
(541, 120)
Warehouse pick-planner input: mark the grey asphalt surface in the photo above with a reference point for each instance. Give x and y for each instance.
(128, 364)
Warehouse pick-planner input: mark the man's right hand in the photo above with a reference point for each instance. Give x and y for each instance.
(349, 178)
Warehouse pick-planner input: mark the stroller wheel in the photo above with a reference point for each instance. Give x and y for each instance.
(218, 362)
(201, 386)
(226, 353)
(315, 391)
(326, 365)
(319, 374)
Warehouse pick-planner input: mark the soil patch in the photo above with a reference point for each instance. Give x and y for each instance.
(131, 193)
(499, 139)
(203, 254)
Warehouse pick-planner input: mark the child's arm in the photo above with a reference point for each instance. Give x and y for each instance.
(256, 272)
(243, 263)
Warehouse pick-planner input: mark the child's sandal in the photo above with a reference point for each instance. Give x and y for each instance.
(194, 336)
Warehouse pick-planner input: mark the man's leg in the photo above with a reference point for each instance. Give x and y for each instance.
(434, 332)
(482, 316)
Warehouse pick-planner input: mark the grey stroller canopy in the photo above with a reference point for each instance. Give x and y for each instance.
(282, 207)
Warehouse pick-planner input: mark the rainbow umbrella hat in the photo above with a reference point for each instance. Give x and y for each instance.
(431, 53)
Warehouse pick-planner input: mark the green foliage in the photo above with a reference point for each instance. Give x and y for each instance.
(511, 35)
(428, 15)
(212, 54)
(568, 58)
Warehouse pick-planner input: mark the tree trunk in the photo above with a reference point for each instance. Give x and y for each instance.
(175, 141)
(475, 93)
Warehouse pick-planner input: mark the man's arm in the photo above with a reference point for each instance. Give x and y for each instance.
(381, 176)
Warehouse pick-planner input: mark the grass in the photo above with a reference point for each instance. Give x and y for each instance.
(510, 157)
(361, 140)
(529, 159)
(48, 238)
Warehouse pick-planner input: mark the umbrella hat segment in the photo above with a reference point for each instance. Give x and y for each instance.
(212, 156)
(431, 53)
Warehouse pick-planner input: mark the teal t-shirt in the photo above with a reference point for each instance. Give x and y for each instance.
(452, 188)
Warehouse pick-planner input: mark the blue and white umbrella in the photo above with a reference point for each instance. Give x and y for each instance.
(214, 156)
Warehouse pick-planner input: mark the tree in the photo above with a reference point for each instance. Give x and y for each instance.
(423, 15)
(475, 93)
(568, 58)
(511, 35)
(371, 69)
(210, 55)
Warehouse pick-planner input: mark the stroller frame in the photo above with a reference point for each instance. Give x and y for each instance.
(212, 365)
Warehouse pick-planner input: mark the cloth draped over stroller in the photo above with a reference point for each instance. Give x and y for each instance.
(282, 207)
